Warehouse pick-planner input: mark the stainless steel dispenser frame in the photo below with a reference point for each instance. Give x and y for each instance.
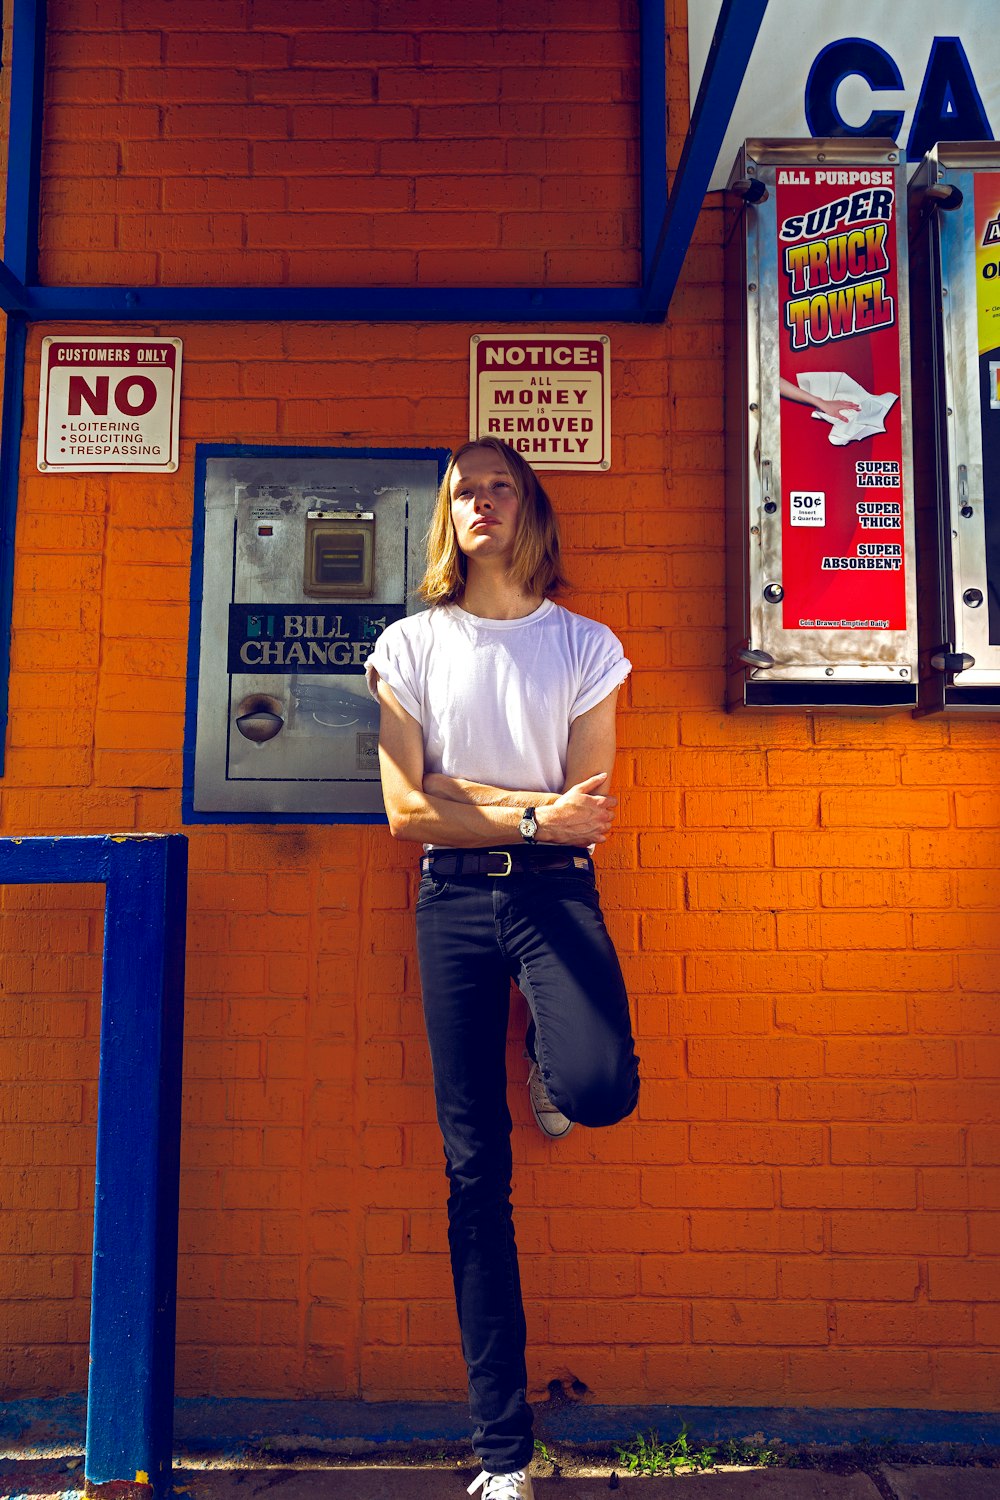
(960, 665)
(285, 726)
(769, 665)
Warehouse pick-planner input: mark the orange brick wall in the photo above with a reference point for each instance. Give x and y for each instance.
(805, 1209)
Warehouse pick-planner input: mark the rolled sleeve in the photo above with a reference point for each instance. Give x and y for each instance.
(393, 662)
(606, 670)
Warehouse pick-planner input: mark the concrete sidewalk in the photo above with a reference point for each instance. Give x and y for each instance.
(55, 1479)
(889, 1483)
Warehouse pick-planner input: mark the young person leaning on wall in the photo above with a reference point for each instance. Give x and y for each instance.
(497, 746)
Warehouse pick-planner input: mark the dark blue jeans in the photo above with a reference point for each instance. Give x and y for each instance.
(474, 934)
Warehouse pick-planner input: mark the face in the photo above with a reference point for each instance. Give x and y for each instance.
(484, 505)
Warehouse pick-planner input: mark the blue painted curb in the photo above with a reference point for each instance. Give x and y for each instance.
(231, 1425)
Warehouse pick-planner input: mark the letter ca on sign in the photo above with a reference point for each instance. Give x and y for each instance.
(949, 106)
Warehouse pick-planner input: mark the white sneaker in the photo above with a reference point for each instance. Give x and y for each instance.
(516, 1486)
(550, 1120)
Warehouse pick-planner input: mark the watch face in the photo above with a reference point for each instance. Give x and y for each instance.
(528, 828)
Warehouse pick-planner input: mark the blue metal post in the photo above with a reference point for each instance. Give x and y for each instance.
(133, 1296)
(27, 91)
(20, 265)
(11, 414)
(735, 33)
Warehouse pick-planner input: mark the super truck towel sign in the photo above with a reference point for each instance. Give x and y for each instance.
(841, 444)
(987, 231)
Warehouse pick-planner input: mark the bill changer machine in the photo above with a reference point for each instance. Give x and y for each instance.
(305, 561)
(820, 535)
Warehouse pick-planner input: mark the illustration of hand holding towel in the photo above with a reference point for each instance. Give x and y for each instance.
(853, 412)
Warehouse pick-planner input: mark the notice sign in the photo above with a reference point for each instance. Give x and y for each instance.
(107, 404)
(842, 538)
(547, 395)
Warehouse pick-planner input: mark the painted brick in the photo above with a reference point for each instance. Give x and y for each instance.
(849, 1278)
(898, 1233)
(963, 1280)
(891, 1056)
(873, 1376)
(827, 1015)
(766, 1144)
(807, 940)
(888, 971)
(965, 1374)
(848, 1187)
(744, 1322)
(940, 1145)
(708, 1276)
(904, 889)
(771, 1057)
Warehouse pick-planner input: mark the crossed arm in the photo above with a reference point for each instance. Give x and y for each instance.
(436, 809)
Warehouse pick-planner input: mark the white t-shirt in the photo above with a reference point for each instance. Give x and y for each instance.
(495, 698)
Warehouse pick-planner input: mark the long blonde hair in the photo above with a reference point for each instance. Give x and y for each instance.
(535, 563)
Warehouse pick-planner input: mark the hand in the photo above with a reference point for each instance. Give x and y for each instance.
(836, 408)
(580, 816)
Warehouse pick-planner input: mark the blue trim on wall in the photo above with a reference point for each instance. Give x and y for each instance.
(646, 302)
(24, 147)
(11, 420)
(350, 304)
(203, 452)
(652, 126)
(134, 1285)
(732, 44)
(231, 1425)
(671, 224)
(13, 297)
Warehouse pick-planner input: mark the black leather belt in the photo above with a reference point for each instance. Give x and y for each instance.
(498, 863)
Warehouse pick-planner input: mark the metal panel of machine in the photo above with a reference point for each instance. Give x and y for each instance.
(955, 256)
(820, 534)
(306, 561)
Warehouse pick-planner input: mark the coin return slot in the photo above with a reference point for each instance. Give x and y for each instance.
(340, 556)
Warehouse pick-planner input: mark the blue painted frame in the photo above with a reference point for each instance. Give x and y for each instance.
(663, 220)
(19, 266)
(732, 43)
(134, 1288)
(666, 228)
(203, 452)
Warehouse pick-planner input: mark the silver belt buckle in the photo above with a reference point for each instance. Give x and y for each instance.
(501, 854)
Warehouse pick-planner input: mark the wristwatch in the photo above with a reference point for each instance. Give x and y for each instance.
(528, 825)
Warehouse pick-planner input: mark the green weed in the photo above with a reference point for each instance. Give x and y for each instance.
(546, 1457)
(648, 1455)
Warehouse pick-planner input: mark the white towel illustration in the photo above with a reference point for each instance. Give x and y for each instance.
(836, 385)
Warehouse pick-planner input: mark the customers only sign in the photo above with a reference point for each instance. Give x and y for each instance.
(107, 404)
(548, 396)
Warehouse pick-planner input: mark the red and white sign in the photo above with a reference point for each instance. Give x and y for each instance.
(109, 404)
(842, 539)
(547, 395)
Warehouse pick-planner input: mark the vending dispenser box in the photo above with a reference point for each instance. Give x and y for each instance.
(954, 212)
(820, 538)
(301, 561)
